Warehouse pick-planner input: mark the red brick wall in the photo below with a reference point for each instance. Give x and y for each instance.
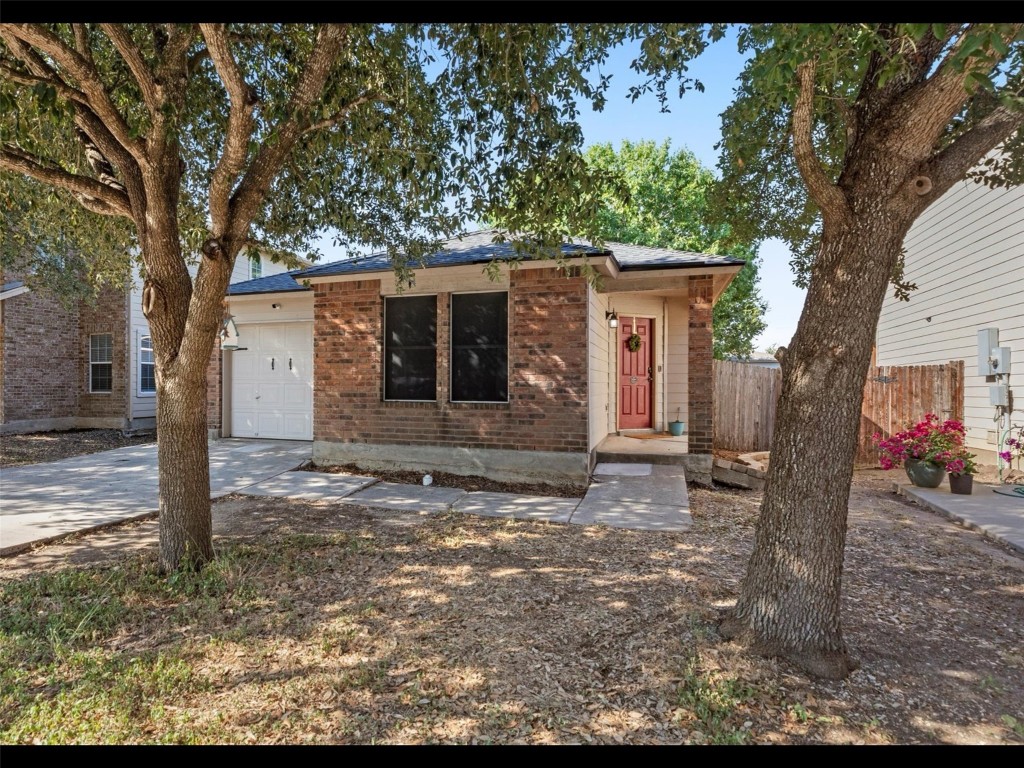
(547, 408)
(214, 385)
(108, 314)
(41, 359)
(700, 376)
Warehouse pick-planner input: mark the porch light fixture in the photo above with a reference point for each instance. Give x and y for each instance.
(612, 318)
(229, 334)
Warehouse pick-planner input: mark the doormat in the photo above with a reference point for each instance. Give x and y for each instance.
(1017, 491)
(648, 436)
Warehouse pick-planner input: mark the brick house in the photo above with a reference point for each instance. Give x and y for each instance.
(521, 377)
(88, 366)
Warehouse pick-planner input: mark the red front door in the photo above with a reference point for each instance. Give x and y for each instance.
(635, 374)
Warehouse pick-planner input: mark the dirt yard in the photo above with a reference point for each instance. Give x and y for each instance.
(38, 447)
(330, 625)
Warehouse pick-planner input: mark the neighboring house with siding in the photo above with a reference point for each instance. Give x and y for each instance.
(966, 256)
(522, 377)
(87, 366)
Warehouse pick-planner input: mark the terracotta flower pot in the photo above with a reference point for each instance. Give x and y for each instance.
(924, 474)
(961, 484)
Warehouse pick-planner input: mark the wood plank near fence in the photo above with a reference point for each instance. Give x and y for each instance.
(898, 396)
(745, 397)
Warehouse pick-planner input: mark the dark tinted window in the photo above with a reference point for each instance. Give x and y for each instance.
(410, 348)
(480, 347)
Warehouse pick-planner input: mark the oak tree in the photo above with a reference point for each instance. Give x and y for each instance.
(195, 142)
(839, 137)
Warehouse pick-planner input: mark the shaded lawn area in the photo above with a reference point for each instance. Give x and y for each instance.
(37, 447)
(343, 625)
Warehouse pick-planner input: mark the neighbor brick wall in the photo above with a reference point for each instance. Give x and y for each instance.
(214, 385)
(108, 314)
(41, 358)
(699, 359)
(547, 408)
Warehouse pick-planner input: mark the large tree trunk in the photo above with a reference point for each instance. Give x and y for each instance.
(185, 518)
(790, 598)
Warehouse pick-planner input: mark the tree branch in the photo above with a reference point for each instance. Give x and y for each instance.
(93, 194)
(937, 100)
(954, 162)
(242, 97)
(132, 56)
(89, 82)
(828, 197)
(343, 113)
(271, 155)
(82, 41)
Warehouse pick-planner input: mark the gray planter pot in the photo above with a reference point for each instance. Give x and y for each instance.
(924, 474)
(963, 484)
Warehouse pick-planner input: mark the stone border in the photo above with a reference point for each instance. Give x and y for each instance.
(737, 475)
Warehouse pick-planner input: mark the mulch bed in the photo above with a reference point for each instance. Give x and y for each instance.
(447, 480)
(38, 447)
(328, 624)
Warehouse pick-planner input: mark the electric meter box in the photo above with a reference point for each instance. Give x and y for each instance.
(999, 395)
(1000, 360)
(988, 340)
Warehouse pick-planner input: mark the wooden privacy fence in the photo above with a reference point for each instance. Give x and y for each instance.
(895, 396)
(744, 409)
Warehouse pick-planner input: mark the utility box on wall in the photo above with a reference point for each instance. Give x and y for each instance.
(988, 340)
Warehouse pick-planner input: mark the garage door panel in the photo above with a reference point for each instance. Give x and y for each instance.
(243, 422)
(272, 382)
(271, 395)
(270, 424)
(298, 427)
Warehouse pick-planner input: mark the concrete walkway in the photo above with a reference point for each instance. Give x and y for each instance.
(40, 502)
(992, 514)
(638, 496)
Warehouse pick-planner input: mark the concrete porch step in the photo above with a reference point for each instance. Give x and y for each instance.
(614, 457)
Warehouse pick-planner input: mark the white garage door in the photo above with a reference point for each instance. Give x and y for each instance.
(272, 382)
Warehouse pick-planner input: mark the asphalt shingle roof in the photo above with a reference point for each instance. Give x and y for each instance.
(478, 248)
(11, 286)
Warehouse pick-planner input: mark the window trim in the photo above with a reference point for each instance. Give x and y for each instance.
(508, 347)
(384, 348)
(110, 362)
(140, 391)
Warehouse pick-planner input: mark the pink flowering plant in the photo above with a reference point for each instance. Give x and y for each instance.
(932, 440)
(1014, 448)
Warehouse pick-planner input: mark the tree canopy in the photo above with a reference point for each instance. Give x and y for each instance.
(664, 202)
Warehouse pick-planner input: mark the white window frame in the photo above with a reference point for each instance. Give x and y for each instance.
(109, 362)
(139, 363)
(508, 349)
(257, 261)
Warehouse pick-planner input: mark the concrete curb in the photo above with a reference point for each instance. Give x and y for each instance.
(25, 546)
(907, 493)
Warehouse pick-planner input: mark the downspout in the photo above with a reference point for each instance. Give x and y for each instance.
(664, 364)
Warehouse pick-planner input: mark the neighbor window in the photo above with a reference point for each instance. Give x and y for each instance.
(101, 362)
(255, 267)
(480, 347)
(147, 368)
(410, 348)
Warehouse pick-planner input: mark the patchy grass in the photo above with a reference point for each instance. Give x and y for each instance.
(321, 624)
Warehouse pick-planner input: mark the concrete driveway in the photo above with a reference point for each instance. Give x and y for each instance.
(39, 502)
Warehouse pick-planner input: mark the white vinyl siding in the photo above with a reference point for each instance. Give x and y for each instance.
(966, 256)
(101, 363)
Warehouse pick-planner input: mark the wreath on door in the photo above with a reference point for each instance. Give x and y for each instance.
(634, 342)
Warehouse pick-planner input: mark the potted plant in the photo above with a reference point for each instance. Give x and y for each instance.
(961, 470)
(923, 450)
(678, 426)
